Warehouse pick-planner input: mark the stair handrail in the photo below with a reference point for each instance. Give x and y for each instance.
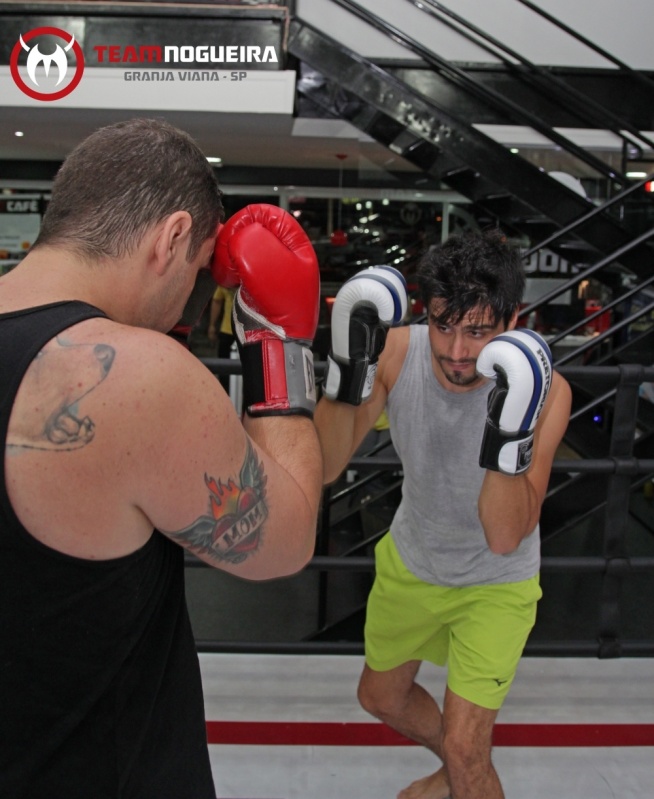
(600, 337)
(596, 314)
(616, 125)
(635, 338)
(633, 73)
(596, 402)
(488, 95)
(596, 211)
(614, 256)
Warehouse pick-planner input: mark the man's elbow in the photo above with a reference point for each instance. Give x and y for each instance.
(504, 536)
(309, 548)
(503, 546)
(305, 539)
(504, 540)
(301, 555)
(330, 476)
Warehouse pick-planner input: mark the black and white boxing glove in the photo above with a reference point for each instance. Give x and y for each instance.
(365, 307)
(520, 362)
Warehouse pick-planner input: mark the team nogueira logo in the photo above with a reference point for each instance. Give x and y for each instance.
(44, 54)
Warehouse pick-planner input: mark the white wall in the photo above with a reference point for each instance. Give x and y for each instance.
(621, 27)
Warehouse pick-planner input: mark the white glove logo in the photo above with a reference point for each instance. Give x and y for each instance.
(55, 63)
(36, 57)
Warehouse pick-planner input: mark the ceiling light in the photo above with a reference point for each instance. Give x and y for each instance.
(636, 174)
(514, 150)
(214, 159)
(19, 133)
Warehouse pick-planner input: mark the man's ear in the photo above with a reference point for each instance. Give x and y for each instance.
(513, 320)
(172, 239)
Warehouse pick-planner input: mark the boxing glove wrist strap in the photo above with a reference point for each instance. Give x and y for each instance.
(349, 382)
(278, 378)
(509, 453)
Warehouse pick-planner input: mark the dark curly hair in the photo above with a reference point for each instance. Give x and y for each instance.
(476, 270)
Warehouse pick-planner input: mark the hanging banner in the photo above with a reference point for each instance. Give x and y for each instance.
(213, 64)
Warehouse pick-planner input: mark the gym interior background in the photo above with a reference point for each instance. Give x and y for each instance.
(384, 127)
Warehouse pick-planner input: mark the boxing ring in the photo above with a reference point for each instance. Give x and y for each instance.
(289, 727)
(283, 721)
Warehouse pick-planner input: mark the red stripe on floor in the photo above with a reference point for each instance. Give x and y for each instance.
(294, 733)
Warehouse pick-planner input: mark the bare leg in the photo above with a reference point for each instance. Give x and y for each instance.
(467, 743)
(466, 751)
(461, 736)
(396, 699)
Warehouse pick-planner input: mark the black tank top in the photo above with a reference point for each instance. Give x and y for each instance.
(100, 690)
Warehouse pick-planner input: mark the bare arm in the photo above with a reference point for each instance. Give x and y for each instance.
(292, 441)
(342, 427)
(242, 497)
(509, 506)
(117, 431)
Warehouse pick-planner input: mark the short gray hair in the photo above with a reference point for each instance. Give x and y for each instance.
(122, 180)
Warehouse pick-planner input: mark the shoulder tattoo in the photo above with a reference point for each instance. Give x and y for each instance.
(57, 380)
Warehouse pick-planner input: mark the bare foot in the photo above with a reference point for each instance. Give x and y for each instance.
(434, 786)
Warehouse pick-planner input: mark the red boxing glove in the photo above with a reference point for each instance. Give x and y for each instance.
(264, 252)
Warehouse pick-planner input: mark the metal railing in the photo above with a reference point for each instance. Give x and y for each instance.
(614, 565)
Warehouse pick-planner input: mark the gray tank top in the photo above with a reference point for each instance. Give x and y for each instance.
(437, 434)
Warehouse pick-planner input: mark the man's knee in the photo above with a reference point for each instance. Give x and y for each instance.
(376, 698)
(369, 699)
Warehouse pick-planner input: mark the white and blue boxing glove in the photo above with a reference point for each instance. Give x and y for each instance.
(365, 307)
(520, 362)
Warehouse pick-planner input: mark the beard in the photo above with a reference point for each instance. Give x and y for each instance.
(458, 377)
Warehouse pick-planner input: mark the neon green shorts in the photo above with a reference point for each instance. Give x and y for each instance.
(478, 631)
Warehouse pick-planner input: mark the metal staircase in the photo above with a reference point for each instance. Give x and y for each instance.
(426, 132)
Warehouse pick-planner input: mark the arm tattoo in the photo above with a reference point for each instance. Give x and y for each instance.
(237, 512)
(56, 381)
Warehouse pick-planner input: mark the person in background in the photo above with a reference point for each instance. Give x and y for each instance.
(220, 310)
(476, 415)
(122, 452)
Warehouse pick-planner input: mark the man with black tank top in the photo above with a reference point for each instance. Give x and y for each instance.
(476, 414)
(121, 450)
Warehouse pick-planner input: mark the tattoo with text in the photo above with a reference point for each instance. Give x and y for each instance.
(58, 378)
(237, 512)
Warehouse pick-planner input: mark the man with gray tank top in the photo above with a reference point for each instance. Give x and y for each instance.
(476, 414)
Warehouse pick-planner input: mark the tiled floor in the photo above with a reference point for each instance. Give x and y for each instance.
(290, 728)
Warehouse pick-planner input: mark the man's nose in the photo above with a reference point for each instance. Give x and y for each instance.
(458, 348)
